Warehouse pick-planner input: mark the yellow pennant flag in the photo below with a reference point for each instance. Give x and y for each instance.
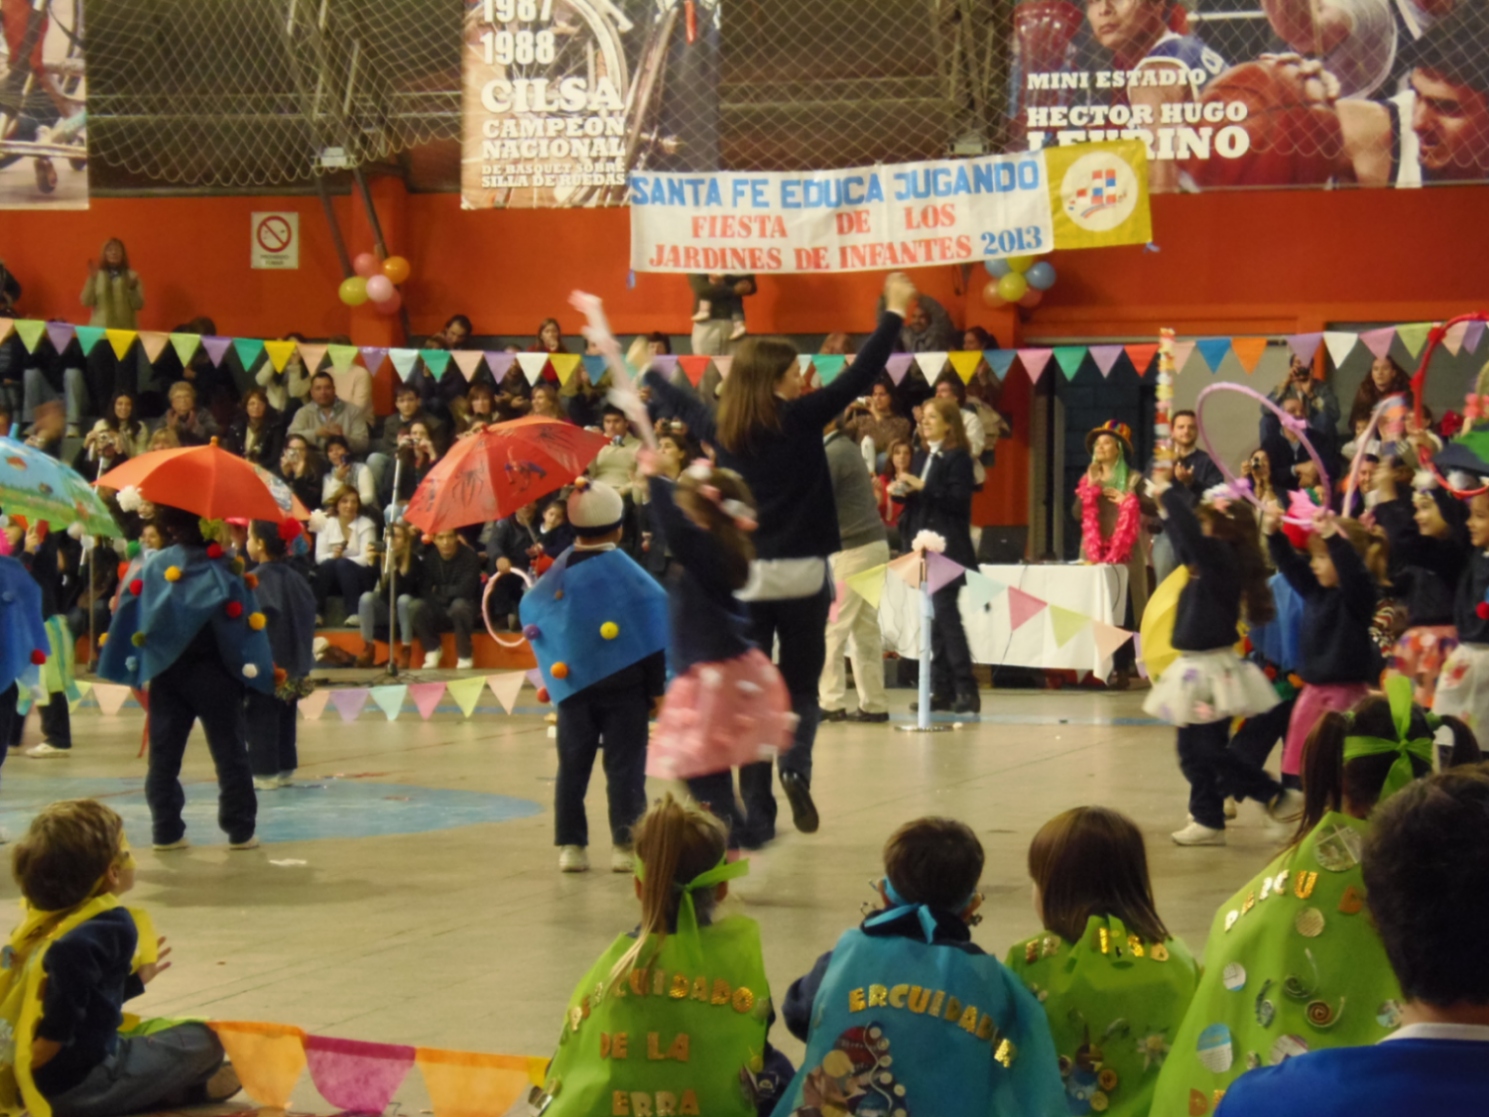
(121, 340)
(965, 363)
(267, 1057)
(1066, 623)
(466, 692)
(1099, 194)
(564, 364)
(468, 1084)
(868, 584)
(279, 353)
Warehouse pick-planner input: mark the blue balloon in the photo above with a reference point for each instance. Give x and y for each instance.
(997, 268)
(1041, 276)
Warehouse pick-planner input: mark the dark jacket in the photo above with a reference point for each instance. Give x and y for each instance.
(288, 602)
(1473, 590)
(445, 580)
(1335, 645)
(943, 506)
(1424, 571)
(510, 539)
(1210, 603)
(270, 444)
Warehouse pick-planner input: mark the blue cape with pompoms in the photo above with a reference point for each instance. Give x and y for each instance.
(22, 629)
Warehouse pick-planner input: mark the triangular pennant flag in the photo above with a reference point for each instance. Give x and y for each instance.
(1414, 336)
(311, 356)
(268, 1059)
(1473, 335)
(466, 692)
(186, 346)
(404, 361)
(1034, 362)
(437, 361)
(154, 343)
(931, 365)
(829, 367)
(122, 341)
(426, 697)
(506, 687)
(1000, 361)
(467, 361)
(8, 324)
(110, 698)
(1249, 351)
(1022, 607)
(1182, 352)
(356, 1076)
(1213, 350)
(804, 362)
(694, 365)
(389, 699)
(349, 701)
(1304, 346)
(280, 353)
(1070, 358)
(88, 336)
(30, 331)
(939, 570)
(1106, 357)
(533, 365)
(216, 348)
(1379, 341)
(1340, 344)
(500, 362)
(1452, 337)
(564, 364)
(594, 365)
(1141, 356)
(1066, 623)
(724, 364)
(249, 349)
(897, 365)
(342, 356)
(907, 569)
(467, 1084)
(1108, 638)
(535, 676)
(982, 589)
(965, 363)
(313, 705)
(373, 357)
(666, 365)
(84, 689)
(868, 584)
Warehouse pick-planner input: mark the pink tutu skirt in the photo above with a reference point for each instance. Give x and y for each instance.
(1314, 701)
(719, 716)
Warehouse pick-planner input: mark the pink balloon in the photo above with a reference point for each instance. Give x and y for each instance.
(389, 306)
(367, 265)
(380, 288)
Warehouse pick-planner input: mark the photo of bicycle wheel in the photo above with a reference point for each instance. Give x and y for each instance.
(43, 98)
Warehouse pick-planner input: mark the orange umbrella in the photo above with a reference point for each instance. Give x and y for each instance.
(206, 480)
(490, 475)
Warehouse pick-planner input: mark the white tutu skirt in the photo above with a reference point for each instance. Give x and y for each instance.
(1201, 687)
(1463, 687)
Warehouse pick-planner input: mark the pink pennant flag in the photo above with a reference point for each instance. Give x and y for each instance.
(373, 357)
(354, 1076)
(313, 705)
(535, 676)
(1304, 346)
(500, 363)
(898, 365)
(665, 364)
(1022, 607)
(426, 697)
(724, 364)
(1105, 357)
(506, 687)
(349, 701)
(1108, 638)
(907, 569)
(60, 334)
(110, 698)
(217, 348)
(467, 361)
(311, 356)
(839, 589)
(1034, 362)
(1137, 651)
(939, 570)
(154, 342)
(1182, 351)
(1379, 341)
(1473, 335)
(1452, 337)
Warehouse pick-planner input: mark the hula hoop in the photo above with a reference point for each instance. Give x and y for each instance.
(1353, 484)
(486, 614)
(1282, 416)
(1419, 381)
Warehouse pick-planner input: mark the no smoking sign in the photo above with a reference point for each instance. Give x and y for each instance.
(274, 240)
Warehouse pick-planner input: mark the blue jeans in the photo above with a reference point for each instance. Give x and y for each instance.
(37, 390)
(372, 611)
(160, 1071)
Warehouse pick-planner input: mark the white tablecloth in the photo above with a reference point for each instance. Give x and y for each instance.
(1099, 592)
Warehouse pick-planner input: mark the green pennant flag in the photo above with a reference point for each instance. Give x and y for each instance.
(89, 336)
(389, 699)
(249, 349)
(342, 356)
(1066, 624)
(1413, 336)
(828, 366)
(30, 331)
(186, 346)
(437, 361)
(466, 692)
(1070, 357)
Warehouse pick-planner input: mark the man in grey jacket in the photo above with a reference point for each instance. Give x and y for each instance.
(856, 627)
(325, 415)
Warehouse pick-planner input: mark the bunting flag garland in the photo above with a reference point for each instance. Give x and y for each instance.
(354, 1076)
(341, 356)
(594, 364)
(372, 357)
(506, 687)
(1141, 356)
(1000, 361)
(1379, 341)
(931, 365)
(1066, 623)
(466, 692)
(1340, 344)
(121, 341)
(280, 353)
(829, 367)
(1304, 346)
(154, 343)
(426, 697)
(907, 569)
(1452, 337)
(1106, 357)
(983, 590)
(964, 363)
(313, 705)
(897, 366)
(88, 336)
(249, 349)
(404, 361)
(724, 364)
(216, 348)
(60, 335)
(389, 699)
(1108, 638)
(1213, 350)
(534, 675)
(1182, 351)
(666, 365)
(940, 570)
(500, 362)
(868, 584)
(84, 689)
(694, 366)
(1473, 335)
(564, 365)
(7, 324)
(1070, 358)
(467, 361)
(349, 701)
(804, 362)
(1414, 336)
(110, 698)
(1022, 607)
(267, 1057)
(186, 346)
(311, 356)
(30, 330)
(1249, 351)
(437, 361)
(465, 1084)
(533, 365)
(1034, 362)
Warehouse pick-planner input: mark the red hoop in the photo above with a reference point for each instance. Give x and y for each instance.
(1282, 416)
(1360, 443)
(1419, 381)
(486, 614)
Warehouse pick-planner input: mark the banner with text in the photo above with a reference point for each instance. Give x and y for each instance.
(900, 216)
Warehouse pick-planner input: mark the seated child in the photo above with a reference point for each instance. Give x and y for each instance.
(1113, 982)
(75, 959)
(673, 1017)
(907, 1015)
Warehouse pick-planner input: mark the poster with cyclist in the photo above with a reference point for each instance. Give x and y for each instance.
(43, 125)
(563, 98)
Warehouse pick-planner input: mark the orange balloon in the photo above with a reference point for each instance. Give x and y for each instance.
(1031, 298)
(397, 269)
(990, 296)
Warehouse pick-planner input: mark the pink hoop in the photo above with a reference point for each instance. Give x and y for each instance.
(1419, 381)
(1282, 417)
(1353, 484)
(486, 614)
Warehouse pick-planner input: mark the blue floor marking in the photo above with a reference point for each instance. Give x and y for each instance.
(307, 812)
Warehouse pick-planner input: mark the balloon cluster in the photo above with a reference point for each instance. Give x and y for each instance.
(377, 281)
(1017, 279)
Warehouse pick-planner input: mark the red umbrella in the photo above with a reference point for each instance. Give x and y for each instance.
(206, 480)
(490, 475)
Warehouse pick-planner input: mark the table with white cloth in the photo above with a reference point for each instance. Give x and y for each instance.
(1095, 591)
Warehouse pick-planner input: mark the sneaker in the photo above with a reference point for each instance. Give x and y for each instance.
(286, 779)
(833, 715)
(353, 621)
(46, 751)
(970, 707)
(738, 332)
(803, 810)
(250, 842)
(465, 663)
(1196, 835)
(431, 661)
(622, 860)
(172, 847)
(938, 703)
(863, 715)
(1232, 808)
(573, 859)
(1286, 807)
(223, 1084)
(266, 783)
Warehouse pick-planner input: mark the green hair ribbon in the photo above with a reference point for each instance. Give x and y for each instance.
(1398, 691)
(687, 914)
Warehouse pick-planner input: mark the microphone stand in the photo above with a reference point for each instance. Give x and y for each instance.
(393, 571)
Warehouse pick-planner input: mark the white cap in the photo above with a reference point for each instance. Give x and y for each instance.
(595, 508)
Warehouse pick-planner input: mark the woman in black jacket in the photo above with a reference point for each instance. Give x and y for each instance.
(769, 433)
(937, 494)
(257, 433)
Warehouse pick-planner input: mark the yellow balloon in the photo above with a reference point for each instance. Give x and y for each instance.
(1012, 286)
(1021, 264)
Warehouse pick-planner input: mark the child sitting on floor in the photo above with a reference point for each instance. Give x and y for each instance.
(673, 1017)
(1113, 982)
(77, 956)
(909, 1010)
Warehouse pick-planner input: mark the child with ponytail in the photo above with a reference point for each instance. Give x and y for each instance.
(673, 1017)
